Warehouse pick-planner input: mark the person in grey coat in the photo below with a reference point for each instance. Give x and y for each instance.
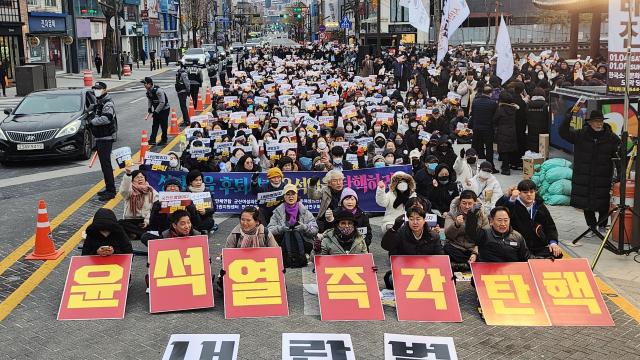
(158, 108)
(103, 129)
(292, 215)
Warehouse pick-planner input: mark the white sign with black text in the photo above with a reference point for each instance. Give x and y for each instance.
(311, 346)
(202, 346)
(409, 347)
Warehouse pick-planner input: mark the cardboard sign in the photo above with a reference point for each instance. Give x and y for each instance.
(122, 156)
(172, 201)
(96, 288)
(158, 162)
(348, 288)
(406, 347)
(570, 293)
(202, 346)
(299, 346)
(179, 274)
(254, 284)
(424, 289)
(508, 294)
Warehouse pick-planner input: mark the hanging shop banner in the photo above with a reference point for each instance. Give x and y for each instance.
(424, 289)
(619, 29)
(348, 288)
(179, 274)
(202, 346)
(232, 191)
(508, 294)
(254, 284)
(96, 288)
(570, 293)
(405, 347)
(299, 346)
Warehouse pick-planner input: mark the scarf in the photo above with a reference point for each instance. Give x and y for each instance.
(198, 189)
(401, 198)
(250, 239)
(137, 197)
(292, 211)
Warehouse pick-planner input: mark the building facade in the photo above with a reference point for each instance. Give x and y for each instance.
(47, 32)
(13, 24)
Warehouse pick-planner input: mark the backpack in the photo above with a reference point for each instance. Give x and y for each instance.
(293, 254)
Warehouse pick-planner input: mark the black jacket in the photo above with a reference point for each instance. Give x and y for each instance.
(483, 109)
(537, 232)
(105, 219)
(592, 164)
(160, 222)
(402, 242)
(266, 209)
(537, 122)
(495, 247)
(361, 222)
(505, 124)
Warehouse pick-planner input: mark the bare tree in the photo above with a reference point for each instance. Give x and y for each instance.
(196, 15)
(108, 57)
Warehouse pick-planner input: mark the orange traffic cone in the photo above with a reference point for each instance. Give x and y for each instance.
(144, 145)
(199, 107)
(192, 111)
(173, 124)
(44, 249)
(207, 99)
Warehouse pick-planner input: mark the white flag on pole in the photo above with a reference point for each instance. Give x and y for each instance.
(418, 14)
(504, 68)
(455, 12)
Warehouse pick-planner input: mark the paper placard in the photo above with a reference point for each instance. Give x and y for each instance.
(158, 162)
(122, 156)
(202, 346)
(311, 346)
(409, 347)
(172, 201)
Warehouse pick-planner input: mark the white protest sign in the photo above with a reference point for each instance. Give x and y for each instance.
(405, 347)
(296, 346)
(122, 156)
(202, 346)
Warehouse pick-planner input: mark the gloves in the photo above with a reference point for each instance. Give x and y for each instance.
(254, 177)
(149, 110)
(462, 152)
(476, 208)
(360, 152)
(398, 223)
(317, 245)
(314, 181)
(301, 227)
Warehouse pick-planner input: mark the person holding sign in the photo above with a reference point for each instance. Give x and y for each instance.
(273, 186)
(497, 242)
(138, 198)
(294, 227)
(104, 236)
(180, 225)
(343, 238)
(250, 232)
(195, 184)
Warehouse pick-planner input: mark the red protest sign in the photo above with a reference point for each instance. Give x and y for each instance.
(254, 284)
(570, 293)
(424, 289)
(508, 294)
(179, 274)
(348, 288)
(96, 288)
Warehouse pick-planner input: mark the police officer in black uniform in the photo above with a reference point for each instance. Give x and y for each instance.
(158, 108)
(103, 129)
(223, 70)
(212, 71)
(183, 88)
(195, 79)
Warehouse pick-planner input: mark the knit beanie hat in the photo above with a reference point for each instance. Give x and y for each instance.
(346, 192)
(273, 172)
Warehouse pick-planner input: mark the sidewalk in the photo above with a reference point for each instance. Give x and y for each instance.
(77, 80)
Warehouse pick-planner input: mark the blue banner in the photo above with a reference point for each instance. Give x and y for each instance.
(232, 191)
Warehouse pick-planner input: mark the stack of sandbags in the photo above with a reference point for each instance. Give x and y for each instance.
(553, 178)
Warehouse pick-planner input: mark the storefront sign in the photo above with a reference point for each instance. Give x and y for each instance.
(83, 28)
(154, 27)
(47, 22)
(348, 288)
(508, 294)
(97, 30)
(179, 274)
(254, 284)
(570, 293)
(424, 289)
(96, 288)
(401, 29)
(619, 29)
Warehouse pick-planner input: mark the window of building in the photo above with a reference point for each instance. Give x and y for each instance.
(52, 3)
(398, 13)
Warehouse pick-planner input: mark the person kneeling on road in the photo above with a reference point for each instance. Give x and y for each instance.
(105, 237)
(459, 246)
(531, 218)
(497, 242)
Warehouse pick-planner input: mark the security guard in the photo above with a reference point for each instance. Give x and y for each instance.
(195, 79)
(103, 129)
(158, 108)
(183, 88)
(212, 71)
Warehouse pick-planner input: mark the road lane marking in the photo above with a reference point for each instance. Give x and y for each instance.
(136, 100)
(47, 175)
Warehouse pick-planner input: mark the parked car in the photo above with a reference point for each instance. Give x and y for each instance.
(49, 124)
(195, 56)
(237, 46)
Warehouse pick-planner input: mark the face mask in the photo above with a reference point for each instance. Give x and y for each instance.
(379, 164)
(471, 160)
(432, 167)
(274, 125)
(398, 141)
(403, 186)
(346, 231)
(540, 75)
(173, 163)
(234, 160)
(486, 78)
(322, 145)
(483, 174)
(413, 125)
(415, 163)
(380, 142)
(337, 160)
(97, 92)
(443, 180)
(442, 149)
(353, 148)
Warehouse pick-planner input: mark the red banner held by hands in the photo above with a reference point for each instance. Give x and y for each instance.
(179, 274)
(424, 289)
(508, 294)
(96, 288)
(570, 293)
(254, 284)
(348, 288)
